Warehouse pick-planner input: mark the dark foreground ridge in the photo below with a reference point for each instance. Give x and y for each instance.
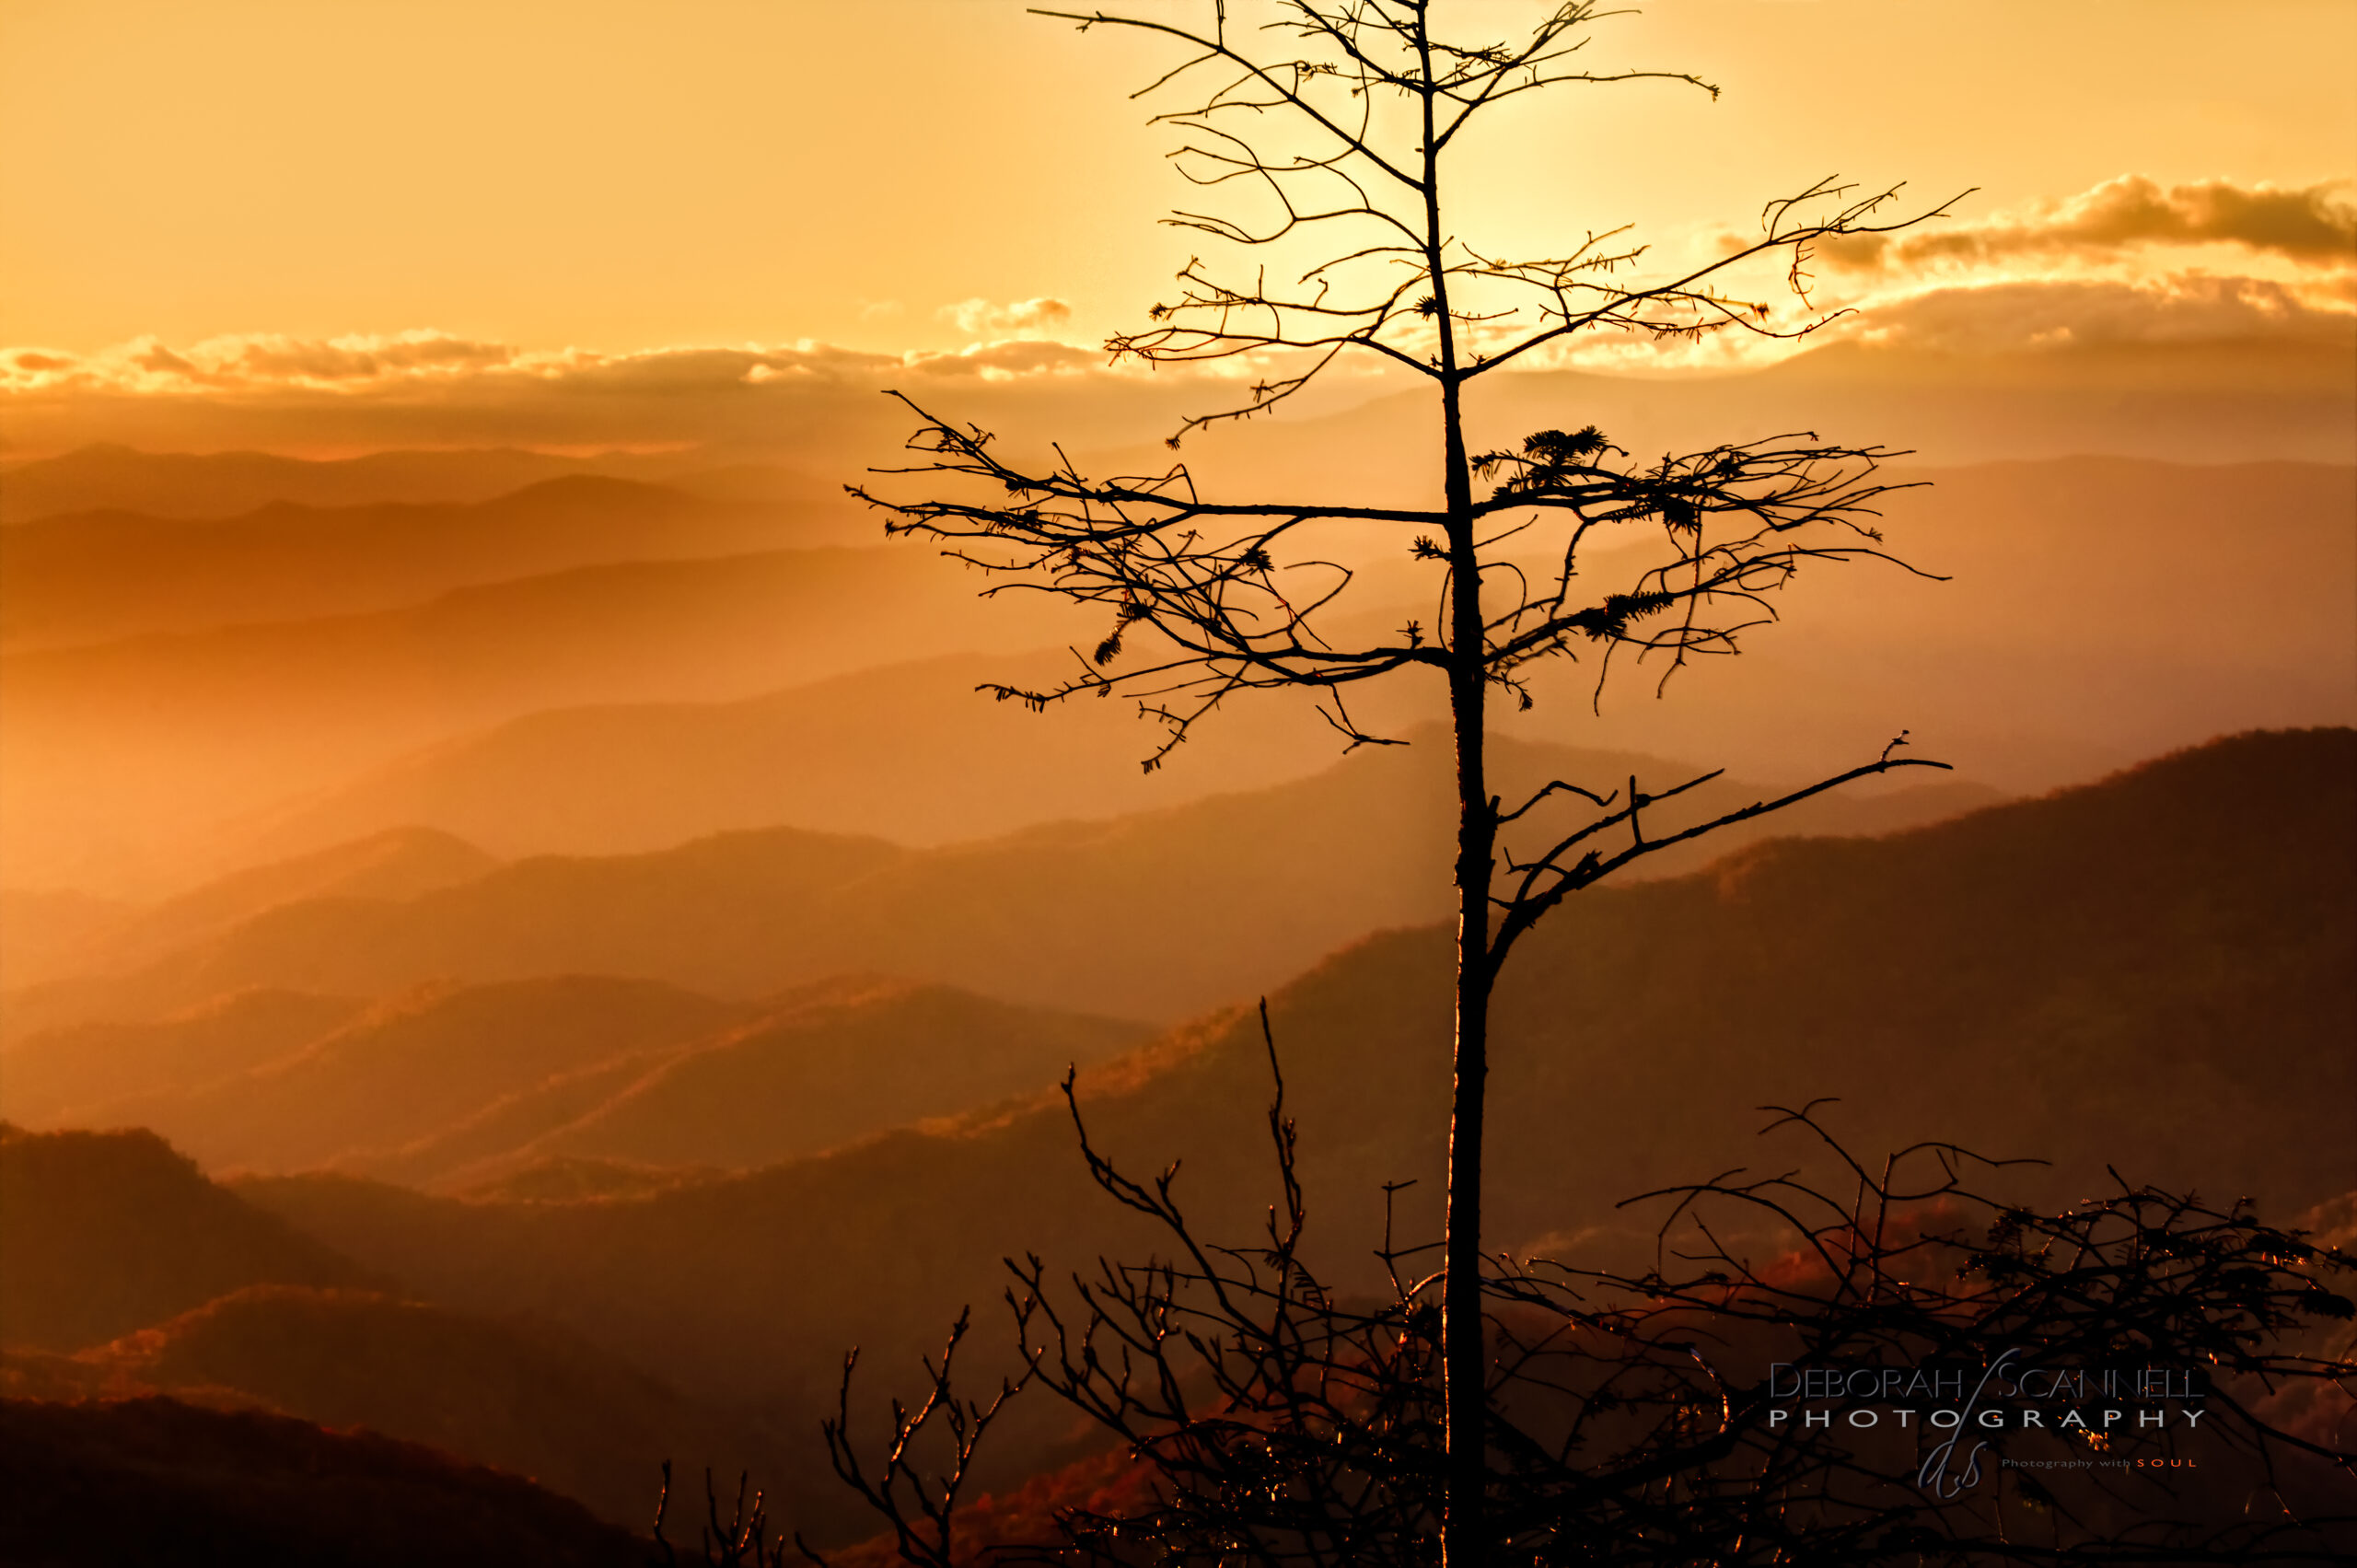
(153, 1482)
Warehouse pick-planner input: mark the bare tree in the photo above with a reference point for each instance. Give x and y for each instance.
(1659, 1418)
(1682, 1414)
(1342, 120)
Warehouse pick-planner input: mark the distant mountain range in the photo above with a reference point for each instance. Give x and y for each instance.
(127, 756)
(2096, 611)
(399, 863)
(2156, 973)
(1154, 915)
(99, 576)
(113, 477)
(457, 1085)
(98, 1075)
(2129, 974)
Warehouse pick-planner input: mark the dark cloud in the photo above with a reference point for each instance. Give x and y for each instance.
(2311, 226)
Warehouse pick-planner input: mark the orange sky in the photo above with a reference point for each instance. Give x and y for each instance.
(280, 197)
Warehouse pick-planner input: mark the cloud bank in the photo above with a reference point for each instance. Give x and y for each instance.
(2079, 273)
(425, 388)
(2311, 226)
(2016, 314)
(425, 360)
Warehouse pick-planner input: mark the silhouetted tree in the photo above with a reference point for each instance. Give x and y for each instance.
(1660, 1417)
(1346, 118)
(1654, 1418)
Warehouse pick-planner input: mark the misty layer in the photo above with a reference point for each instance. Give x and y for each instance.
(634, 706)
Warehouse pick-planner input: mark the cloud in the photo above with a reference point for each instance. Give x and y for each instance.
(429, 363)
(696, 370)
(252, 361)
(437, 367)
(2311, 226)
(430, 389)
(435, 388)
(2035, 314)
(281, 358)
(1030, 356)
(978, 316)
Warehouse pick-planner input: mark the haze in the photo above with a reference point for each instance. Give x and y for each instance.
(518, 930)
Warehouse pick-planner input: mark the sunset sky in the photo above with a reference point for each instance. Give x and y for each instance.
(287, 197)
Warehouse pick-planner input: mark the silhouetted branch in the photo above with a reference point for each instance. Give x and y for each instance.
(742, 1542)
(1661, 1418)
(920, 1508)
(1546, 880)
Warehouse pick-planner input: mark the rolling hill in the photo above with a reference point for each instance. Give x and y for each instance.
(156, 1483)
(103, 1075)
(526, 1398)
(109, 1232)
(462, 1086)
(131, 1275)
(2154, 972)
(2128, 973)
(415, 1065)
(838, 1063)
(1154, 915)
(397, 864)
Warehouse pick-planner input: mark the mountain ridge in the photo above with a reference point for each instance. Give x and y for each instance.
(2122, 974)
(1205, 900)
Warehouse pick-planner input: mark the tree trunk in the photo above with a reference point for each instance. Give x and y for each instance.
(1464, 1355)
(1464, 1351)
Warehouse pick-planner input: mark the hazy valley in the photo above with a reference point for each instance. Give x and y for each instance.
(534, 955)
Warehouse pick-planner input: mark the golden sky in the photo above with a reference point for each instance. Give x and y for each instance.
(458, 182)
